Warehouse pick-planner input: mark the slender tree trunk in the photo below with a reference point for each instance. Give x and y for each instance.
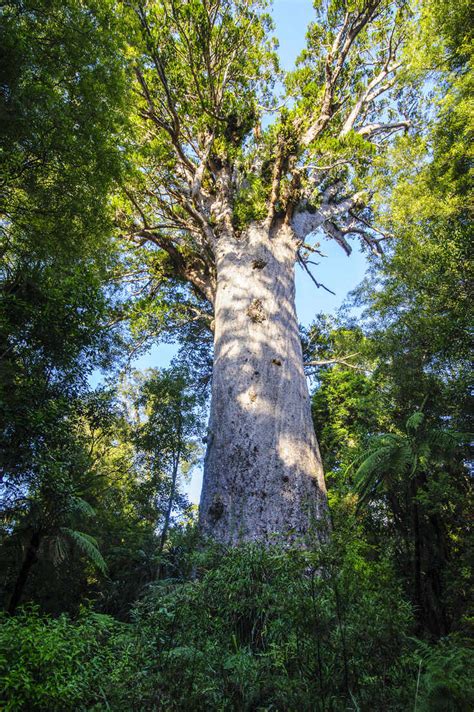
(30, 558)
(166, 524)
(419, 598)
(263, 478)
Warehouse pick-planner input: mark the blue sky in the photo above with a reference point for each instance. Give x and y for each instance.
(337, 271)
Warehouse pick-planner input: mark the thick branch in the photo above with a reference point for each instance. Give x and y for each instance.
(193, 268)
(337, 360)
(305, 222)
(371, 130)
(276, 180)
(352, 25)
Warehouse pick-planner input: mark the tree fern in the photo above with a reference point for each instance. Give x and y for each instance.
(88, 545)
(81, 507)
(391, 456)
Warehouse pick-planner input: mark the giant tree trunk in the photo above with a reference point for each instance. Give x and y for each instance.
(263, 478)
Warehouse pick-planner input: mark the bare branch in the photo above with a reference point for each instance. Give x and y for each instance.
(337, 235)
(337, 360)
(312, 277)
(373, 90)
(198, 176)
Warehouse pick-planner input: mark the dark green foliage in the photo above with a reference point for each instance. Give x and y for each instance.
(446, 676)
(391, 408)
(256, 630)
(54, 664)
(60, 109)
(113, 491)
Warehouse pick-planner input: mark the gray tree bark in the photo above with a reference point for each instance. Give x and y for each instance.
(263, 477)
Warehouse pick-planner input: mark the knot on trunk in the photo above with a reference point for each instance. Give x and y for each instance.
(216, 510)
(258, 264)
(256, 311)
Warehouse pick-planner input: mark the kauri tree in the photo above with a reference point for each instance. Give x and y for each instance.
(227, 208)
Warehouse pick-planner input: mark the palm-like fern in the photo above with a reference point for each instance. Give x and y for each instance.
(388, 454)
(58, 542)
(391, 455)
(50, 531)
(400, 465)
(86, 544)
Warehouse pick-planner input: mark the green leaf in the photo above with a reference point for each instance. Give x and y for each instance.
(88, 545)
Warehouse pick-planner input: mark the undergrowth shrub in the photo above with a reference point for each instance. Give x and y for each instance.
(255, 630)
(54, 664)
(268, 629)
(446, 676)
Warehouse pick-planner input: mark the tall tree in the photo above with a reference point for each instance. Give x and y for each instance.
(167, 437)
(61, 106)
(230, 208)
(62, 89)
(412, 348)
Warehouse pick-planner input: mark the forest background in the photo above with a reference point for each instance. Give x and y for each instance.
(111, 601)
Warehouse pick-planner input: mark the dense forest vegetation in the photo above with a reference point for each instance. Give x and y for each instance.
(115, 596)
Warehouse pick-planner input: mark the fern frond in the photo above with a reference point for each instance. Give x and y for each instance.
(415, 421)
(79, 505)
(447, 440)
(87, 544)
(374, 462)
(57, 550)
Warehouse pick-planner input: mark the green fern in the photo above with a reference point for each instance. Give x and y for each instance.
(415, 421)
(391, 455)
(88, 545)
(81, 507)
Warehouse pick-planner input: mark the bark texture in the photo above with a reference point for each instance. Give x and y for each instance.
(263, 477)
(30, 558)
